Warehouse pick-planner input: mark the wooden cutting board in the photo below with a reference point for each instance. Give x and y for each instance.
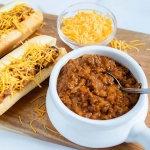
(24, 110)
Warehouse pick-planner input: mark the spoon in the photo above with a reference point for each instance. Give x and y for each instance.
(131, 90)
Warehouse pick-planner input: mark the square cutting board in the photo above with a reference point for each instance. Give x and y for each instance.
(25, 110)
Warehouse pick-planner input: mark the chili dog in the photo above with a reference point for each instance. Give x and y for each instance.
(17, 22)
(26, 67)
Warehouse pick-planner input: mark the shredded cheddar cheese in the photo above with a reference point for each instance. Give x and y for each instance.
(12, 19)
(45, 126)
(50, 32)
(21, 121)
(40, 109)
(87, 27)
(139, 44)
(42, 24)
(52, 27)
(32, 126)
(35, 99)
(15, 76)
(133, 41)
(122, 45)
(29, 116)
(148, 49)
(38, 34)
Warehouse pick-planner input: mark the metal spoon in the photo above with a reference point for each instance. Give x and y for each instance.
(131, 90)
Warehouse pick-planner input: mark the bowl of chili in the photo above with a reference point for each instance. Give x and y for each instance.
(95, 131)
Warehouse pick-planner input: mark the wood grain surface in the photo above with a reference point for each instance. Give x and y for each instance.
(25, 110)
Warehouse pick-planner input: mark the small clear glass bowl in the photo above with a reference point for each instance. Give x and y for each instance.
(73, 10)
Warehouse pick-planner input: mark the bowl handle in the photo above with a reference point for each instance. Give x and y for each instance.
(140, 133)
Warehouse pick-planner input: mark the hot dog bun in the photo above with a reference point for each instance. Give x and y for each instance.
(18, 53)
(12, 39)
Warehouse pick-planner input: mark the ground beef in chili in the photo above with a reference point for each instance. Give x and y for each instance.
(85, 88)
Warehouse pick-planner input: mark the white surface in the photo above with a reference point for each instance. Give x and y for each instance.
(130, 14)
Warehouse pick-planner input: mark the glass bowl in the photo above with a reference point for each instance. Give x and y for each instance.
(88, 7)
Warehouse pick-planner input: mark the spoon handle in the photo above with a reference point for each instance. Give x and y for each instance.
(136, 90)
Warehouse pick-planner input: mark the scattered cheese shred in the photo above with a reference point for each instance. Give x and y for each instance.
(37, 33)
(40, 110)
(12, 19)
(43, 104)
(122, 45)
(52, 27)
(87, 27)
(148, 49)
(21, 121)
(40, 96)
(50, 32)
(133, 41)
(32, 126)
(45, 126)
(139, 44)
(29, 116)
(42, 24)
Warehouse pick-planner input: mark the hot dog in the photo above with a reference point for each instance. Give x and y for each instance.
(26, 67)
(17, 22)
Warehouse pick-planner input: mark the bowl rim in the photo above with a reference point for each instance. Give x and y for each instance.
(111, 36)
(80, 51)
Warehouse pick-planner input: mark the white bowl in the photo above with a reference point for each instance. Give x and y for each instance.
(99, 133)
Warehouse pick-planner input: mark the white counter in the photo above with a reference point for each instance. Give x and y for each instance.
(130, 14)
